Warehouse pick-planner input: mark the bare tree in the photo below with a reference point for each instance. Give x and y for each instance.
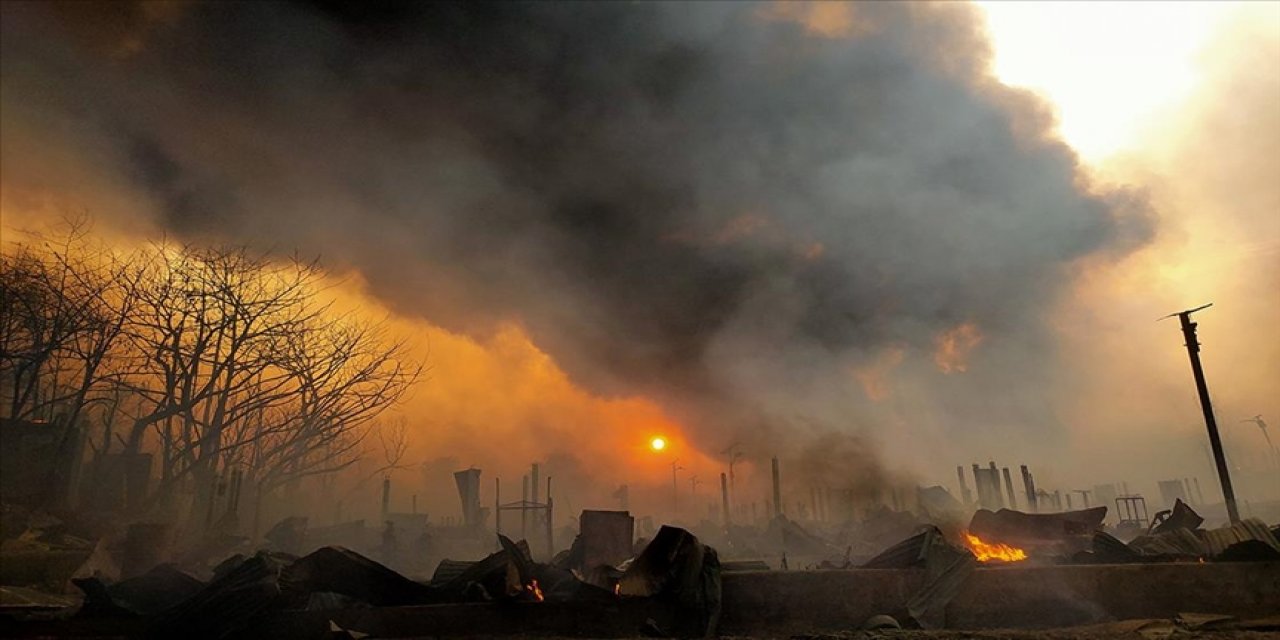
(64, 304)
(344, 374)
(212, 358)
(208, 324)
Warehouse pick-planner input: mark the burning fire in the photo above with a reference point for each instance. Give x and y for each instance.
(534, 590)
(988, 551)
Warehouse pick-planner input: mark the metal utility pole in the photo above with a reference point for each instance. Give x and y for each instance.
(724, 501)
(675, 489)
(1215, 441)
(1262, 425)
(733, 455)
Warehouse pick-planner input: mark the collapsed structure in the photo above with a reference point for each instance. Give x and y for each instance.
(929, 567)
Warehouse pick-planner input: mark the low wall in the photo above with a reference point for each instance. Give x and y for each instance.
(1000, 597)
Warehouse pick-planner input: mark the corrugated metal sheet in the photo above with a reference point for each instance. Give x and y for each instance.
(448, 570)
(909, 553)
(1179, 542)
(1217, 540)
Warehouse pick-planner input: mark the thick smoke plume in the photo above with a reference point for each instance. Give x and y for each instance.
(754, 213)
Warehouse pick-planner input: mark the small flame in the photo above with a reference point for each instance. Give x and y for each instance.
(617, 588)
(988, 551)
(534, 590)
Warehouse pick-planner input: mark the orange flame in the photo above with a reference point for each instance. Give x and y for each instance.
(535, 590)
(988, 551)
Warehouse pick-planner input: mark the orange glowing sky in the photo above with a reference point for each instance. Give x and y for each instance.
(1132, 84)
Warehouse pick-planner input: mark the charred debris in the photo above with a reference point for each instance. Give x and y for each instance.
(613, 576)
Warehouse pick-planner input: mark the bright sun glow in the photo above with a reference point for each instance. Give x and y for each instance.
(658, 444)
(1108, 67)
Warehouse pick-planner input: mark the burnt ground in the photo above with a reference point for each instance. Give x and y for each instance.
(1120, 631)
(1127, 629)
(1082, 633)
(1124, 630)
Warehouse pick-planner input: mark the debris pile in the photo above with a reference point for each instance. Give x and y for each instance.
(1177, 537)
(249, 592)
(678, 569)
(946, 566)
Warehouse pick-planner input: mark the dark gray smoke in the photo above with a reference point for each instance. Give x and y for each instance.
(705, 203)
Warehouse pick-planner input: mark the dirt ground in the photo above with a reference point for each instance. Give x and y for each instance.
(1119, 631)
(1091, 633)
(1129, 629)
(1124, 630)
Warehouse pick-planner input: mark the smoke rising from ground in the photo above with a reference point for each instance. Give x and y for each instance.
(726, 207)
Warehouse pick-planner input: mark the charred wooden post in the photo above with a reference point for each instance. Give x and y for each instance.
(551, 544)
(1206, 407)
(983, 499)
(386, 496)
(468, 484)
(1008, 487)
(996, 492)
(1029, 485)
(965, 496)
(777, 490)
